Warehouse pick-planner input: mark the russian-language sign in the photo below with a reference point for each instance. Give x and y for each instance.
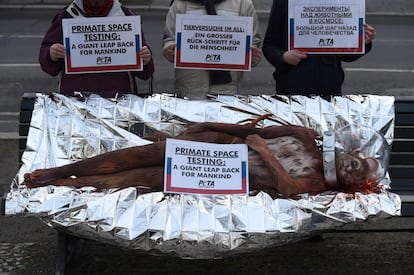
(102, 44)
(326, 26)
(213, 42)
(205, 168)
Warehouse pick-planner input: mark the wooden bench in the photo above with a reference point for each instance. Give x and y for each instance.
(401, 167)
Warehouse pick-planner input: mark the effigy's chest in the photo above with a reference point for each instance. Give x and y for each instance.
(292, 155)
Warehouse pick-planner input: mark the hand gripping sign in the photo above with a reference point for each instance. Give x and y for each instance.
(102, 44)
(213, 42)
(326, 26)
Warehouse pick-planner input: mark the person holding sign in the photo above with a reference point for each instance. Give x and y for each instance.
(299, 72)
(52, 53)
(197, 83)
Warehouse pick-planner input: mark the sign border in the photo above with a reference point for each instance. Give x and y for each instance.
(360, 49)
(138, 66)
(168, 188)
(178, 64)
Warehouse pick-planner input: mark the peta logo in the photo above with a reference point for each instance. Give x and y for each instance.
(206, 184)
(326, 42)
(213, 58)
(103, 60)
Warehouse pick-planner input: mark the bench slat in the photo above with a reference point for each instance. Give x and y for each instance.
(404, 119)
(404, 106)
(26, 109)
(401, 158)
(402, 172)
(401, 184)
(402, 146)
(404, 132)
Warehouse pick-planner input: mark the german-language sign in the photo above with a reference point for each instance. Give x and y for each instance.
(102, 44)
(326, 26)
(205, 168)
(213, 42)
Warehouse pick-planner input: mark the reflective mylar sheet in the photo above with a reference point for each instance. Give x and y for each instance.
(67, 129)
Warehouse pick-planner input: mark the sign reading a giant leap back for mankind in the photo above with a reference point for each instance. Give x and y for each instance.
(193, 167)
(213, 42)
(102, 44)
(326, 26)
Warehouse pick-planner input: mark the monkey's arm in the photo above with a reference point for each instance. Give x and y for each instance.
(235, 130)
(306, 135)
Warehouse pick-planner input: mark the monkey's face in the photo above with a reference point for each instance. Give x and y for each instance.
(352, 169)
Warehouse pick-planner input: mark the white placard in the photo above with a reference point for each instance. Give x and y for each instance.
(102, 44)
(205, 168)
(326, 26)
(213, 42)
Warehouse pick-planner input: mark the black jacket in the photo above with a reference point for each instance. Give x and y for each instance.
(317, 74)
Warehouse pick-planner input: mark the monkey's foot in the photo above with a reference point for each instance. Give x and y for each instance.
(40, 177)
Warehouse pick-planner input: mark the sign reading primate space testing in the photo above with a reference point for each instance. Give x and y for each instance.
(102, 44)
(326, 26)
(205, 168)
(213, 42)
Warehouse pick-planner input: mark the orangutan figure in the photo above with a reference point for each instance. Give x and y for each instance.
(282, 160)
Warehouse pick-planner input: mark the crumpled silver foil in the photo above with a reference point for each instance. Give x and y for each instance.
(67, 129)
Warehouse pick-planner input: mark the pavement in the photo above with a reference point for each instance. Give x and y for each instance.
(377, 246)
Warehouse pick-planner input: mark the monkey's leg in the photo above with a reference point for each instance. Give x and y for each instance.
(107, 163)
(115, 161)
(151, 177)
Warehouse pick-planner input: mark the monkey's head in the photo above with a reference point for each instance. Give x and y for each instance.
(361, 157)
(354, 169)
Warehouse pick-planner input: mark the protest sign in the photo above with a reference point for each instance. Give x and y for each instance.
(326, 26)
(102, 44)
(205, 168)
(213, 42)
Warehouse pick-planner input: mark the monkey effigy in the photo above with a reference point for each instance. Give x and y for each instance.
(282, 160)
